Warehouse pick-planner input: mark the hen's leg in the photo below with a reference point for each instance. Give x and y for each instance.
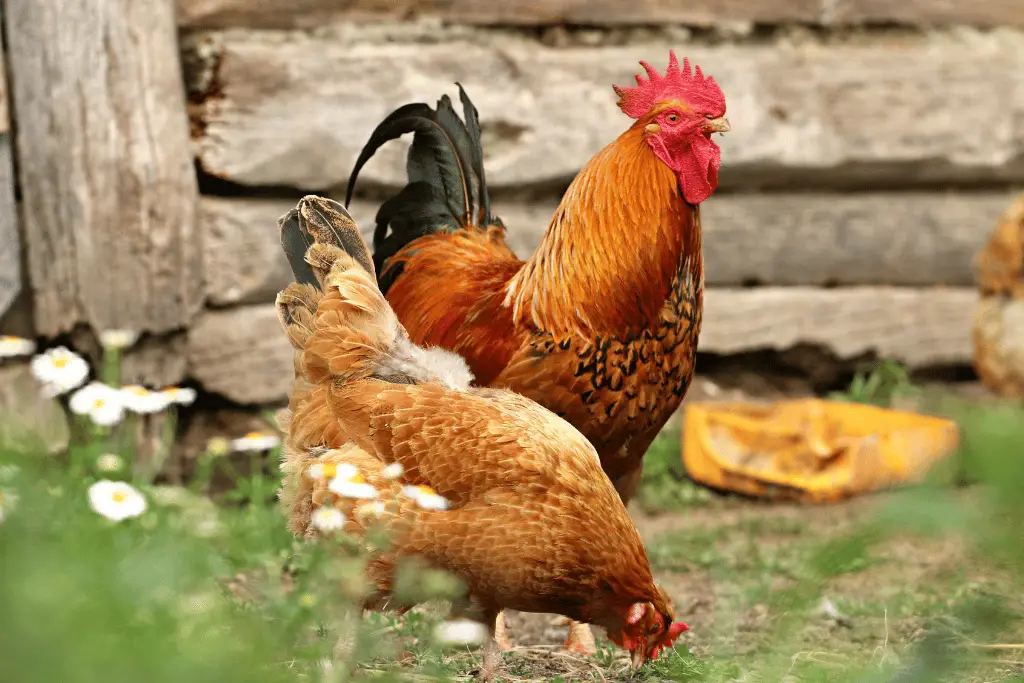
(492, 653)
(501, 633)
(581, 639)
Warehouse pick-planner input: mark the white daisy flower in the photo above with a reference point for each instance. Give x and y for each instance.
(460, 632)
(118, 339)
(182, 396)
(393, 471)
(256, 441)
(332, 470)
(352, 487)
(141, 400)
(108, 462)
(327, 519)
(14, 347)
(60, 370)
(116, 500)
(102, 403)
(8, 500)
(426, 497)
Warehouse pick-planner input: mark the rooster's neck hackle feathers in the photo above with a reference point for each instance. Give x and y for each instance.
(618, 238)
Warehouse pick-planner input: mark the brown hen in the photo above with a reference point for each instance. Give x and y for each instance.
(482, 482)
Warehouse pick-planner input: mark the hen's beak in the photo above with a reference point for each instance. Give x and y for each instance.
(638, 658)
(719, 125)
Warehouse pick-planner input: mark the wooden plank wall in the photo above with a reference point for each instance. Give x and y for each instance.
(873, 146)
(10, 239)
(109, 193)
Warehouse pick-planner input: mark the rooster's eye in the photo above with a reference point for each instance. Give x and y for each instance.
(672, 118)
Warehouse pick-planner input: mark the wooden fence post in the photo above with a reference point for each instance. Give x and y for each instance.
(109, 193)
(10, 244)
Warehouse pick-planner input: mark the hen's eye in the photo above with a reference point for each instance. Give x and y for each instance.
(672, 118)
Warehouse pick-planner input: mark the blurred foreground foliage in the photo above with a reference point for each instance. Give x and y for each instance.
(194, 591)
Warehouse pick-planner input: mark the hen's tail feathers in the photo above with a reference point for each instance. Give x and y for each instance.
(318, 220)
(447, 189)
(333, 314)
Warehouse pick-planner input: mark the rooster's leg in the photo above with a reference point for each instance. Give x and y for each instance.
(580, 640)
(491, 666)
(501, 633)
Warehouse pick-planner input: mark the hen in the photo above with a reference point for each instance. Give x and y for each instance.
(600, 325)
(999, 316)
(481, 482)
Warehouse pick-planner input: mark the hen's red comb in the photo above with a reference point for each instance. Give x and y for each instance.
(699, 92)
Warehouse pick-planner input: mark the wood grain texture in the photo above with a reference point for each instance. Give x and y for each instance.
(917, 326)
(311, 13)
(913, 238)
(10, 241)
(926, 12)
(295, 109)
(242, 354)
(108, 184)
(11, 277)
(242, 256)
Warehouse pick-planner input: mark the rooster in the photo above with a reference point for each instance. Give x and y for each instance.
(482, 482)
(600, 325)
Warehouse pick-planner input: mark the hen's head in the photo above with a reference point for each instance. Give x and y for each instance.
(647, 627)
(679, 111)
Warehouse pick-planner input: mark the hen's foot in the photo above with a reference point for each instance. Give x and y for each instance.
(491, 666)
(501, 634)
(581, 639)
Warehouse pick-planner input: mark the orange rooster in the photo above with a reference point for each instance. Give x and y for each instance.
(482, 482)
(600, 325)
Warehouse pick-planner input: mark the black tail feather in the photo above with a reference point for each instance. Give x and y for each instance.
(446, 187)
(296, 241)
(318, 219)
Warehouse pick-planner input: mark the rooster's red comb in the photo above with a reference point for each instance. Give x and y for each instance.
(701, 93)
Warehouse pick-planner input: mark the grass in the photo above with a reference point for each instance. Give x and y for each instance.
(917, 585)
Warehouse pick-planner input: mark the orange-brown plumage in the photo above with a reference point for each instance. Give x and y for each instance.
(461, 308)
(531, 523)
(600, 324)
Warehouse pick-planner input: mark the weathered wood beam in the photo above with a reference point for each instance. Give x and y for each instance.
(918, 326)
(242, 354)
(108, 185)
(295, 109)
(914, 238)
(311, 13)
(10, 242)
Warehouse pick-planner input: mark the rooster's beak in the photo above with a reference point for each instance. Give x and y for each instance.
(719, 125)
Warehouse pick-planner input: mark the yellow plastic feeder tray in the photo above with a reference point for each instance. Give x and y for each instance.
(810, 449)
